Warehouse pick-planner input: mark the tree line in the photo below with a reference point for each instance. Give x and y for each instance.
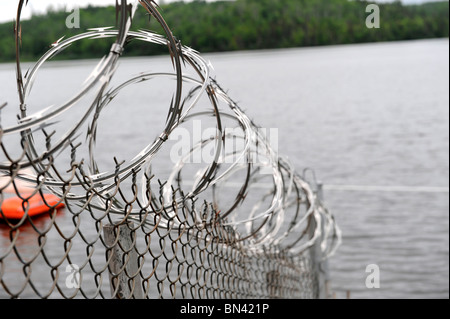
(236, 25)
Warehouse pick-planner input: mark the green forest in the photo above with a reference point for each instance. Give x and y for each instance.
(236, 25)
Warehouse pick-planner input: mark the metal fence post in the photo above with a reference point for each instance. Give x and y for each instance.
(326, 293)
(123, 267)
(320, 267)
(273, 284)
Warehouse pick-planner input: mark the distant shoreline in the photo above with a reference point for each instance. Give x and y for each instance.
(241, 52)
(225, 26)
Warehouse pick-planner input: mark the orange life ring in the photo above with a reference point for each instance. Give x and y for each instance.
(13, 208)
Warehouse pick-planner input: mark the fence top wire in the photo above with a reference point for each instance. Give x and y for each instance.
(286, 219)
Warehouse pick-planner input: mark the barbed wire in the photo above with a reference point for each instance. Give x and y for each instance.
(172, 238)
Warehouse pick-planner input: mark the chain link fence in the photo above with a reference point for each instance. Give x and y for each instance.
(242, 224)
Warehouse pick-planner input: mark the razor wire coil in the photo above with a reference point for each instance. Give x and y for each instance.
(132, 235)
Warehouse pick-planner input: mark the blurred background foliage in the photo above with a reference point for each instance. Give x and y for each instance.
(237, 25)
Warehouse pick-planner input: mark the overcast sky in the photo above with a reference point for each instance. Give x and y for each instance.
(8, 7)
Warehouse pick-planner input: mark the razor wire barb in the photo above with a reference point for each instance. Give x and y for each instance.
(132, 235)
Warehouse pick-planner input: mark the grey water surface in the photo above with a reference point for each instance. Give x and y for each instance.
(360, 115)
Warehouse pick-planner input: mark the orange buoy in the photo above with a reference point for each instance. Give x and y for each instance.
(13, 208)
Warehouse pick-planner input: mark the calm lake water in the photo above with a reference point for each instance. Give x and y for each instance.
(361, 115)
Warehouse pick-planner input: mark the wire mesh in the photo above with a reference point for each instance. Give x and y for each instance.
(204, 230)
